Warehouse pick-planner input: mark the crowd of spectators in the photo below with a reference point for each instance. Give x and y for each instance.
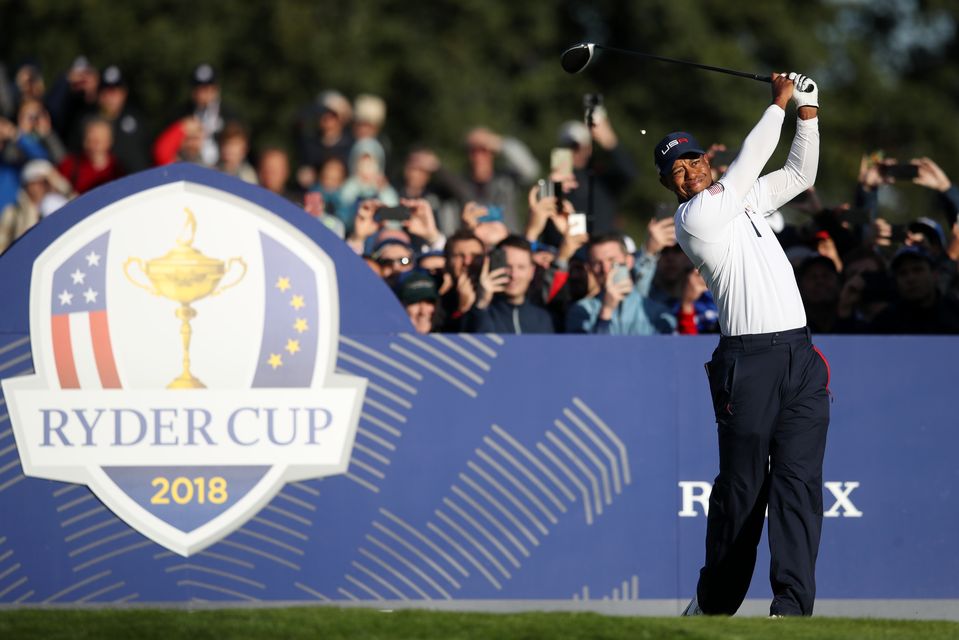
(496, 248)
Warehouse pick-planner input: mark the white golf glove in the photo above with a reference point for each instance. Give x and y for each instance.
(807, 91)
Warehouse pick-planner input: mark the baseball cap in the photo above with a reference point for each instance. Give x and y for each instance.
(910, 253)
(574, 134)
(378, 249)
(112, 77)
(929, 228)
(416, 286)
(673, 146)
(203, 74)
(36, 170)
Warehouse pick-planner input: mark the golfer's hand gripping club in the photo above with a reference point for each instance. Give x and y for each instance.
(807, 92)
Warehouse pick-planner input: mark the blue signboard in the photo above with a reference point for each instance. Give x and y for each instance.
(381, 465)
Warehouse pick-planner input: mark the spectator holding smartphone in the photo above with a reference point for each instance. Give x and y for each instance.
(465, 255)
(503, 304)
(623, 306)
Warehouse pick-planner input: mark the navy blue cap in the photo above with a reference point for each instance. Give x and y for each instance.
(673, 146)
(910, 253)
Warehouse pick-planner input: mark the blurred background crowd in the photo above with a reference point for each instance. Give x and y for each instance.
(495, 232)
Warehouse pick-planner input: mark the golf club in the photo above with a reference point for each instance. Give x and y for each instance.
(578, 57)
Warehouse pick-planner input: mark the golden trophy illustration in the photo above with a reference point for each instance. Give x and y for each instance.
(185, 275)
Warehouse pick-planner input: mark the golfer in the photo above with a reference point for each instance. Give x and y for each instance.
(769, 384)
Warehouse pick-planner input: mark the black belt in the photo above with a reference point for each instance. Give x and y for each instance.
(761, 340)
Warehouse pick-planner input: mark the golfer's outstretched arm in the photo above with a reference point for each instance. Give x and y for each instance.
(801, 166)
(761, 142)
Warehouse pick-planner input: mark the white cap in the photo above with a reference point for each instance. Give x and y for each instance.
(36, 170)
(574, 133)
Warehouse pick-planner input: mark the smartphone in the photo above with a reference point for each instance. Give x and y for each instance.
(494, 213)
(904, 171)
(561, 162)
(497, 259)
(664, 211)
(545, 189)
(620, 273)
(398, 213)
(577, 224)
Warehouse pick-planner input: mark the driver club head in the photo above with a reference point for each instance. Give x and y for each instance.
(577, 57)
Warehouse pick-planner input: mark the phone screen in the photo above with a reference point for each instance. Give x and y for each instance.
(397, 213)
(900, 170)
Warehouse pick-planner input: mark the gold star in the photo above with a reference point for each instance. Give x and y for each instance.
(275, 361)
(300, 325)
(282, 284)
(297, 302)
(292, 346)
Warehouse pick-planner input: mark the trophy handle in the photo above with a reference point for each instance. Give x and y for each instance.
(229, 265)
(126, 272)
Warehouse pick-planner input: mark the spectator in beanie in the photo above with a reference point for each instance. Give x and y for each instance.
(366, 180)
(206, 106)
(323, 133)
(417, 292)
(819, 287)
(395, 257)
(72, 101)
(129, 136)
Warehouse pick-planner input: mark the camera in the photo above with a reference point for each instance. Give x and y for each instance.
(593, 104)
(399, 213)
(905, 171)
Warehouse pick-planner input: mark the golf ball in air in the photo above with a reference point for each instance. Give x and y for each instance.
(642, 131)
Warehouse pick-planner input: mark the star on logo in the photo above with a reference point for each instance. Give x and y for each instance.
(297, 302)
(90, 295)
(66, 298)
(300, 325)
(282, 284)
(292, 346)
(275, 361)
(93, 259)
(78, 276)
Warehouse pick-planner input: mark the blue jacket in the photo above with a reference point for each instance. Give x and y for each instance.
(502, 317)
(636, 315)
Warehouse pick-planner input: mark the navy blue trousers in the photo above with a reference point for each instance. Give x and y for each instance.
(770, 394)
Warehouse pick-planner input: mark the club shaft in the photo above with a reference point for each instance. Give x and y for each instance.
(741, 74)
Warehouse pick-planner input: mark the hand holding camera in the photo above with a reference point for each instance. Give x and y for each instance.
(420, 220)
(365, 224)
(929, 175)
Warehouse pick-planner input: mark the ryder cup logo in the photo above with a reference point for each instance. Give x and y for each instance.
(184, 343)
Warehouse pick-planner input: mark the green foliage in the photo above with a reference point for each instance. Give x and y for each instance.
(446, 65)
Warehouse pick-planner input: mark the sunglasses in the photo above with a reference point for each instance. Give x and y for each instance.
(404, 261)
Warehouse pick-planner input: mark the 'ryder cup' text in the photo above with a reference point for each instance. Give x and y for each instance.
(124, 427)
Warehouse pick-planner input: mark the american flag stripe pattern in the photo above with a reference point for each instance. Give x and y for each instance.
(80, 326)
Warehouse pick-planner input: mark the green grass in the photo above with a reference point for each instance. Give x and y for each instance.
(327, 623)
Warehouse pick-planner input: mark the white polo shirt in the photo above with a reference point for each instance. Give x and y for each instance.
(724, 232)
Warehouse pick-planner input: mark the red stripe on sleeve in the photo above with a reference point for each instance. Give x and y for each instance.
(103, 350)
(63, 353)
